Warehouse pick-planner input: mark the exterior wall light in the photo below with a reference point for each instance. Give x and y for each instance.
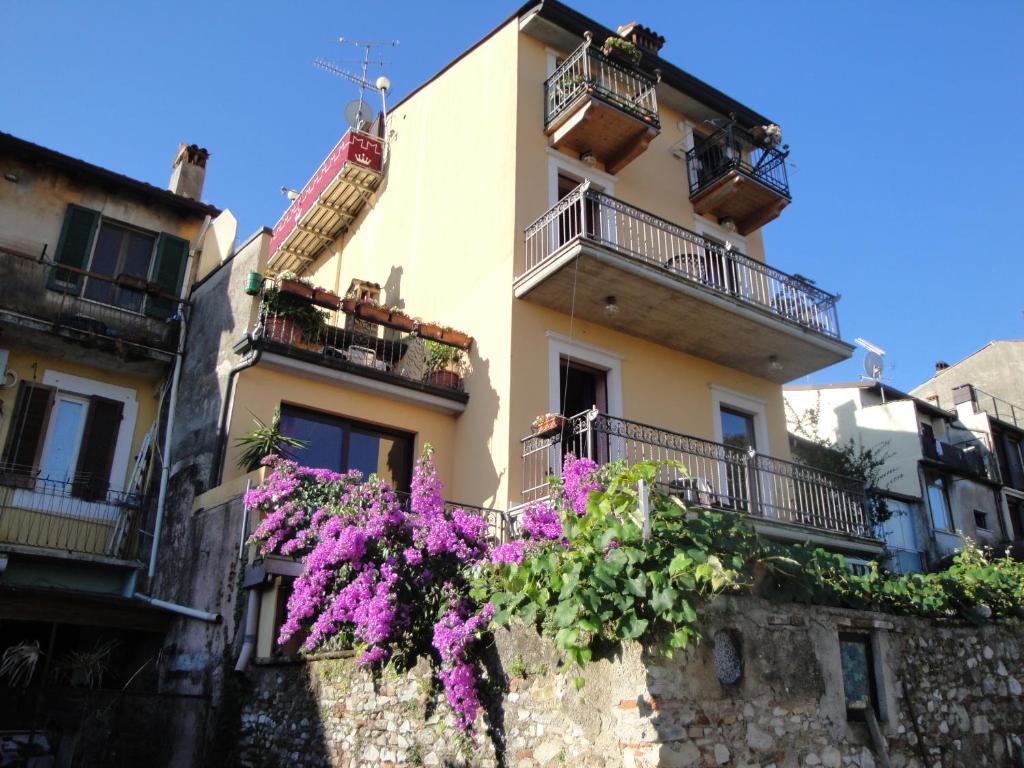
(588, 159)
(611, 306)
(774, 363)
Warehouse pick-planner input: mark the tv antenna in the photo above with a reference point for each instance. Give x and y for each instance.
(874, 361)
(358, 113)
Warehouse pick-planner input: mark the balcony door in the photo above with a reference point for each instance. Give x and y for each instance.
(582, 387)
(571, 222)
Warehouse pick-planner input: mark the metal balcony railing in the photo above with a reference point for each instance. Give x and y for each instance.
(588, 72)
(970, 457)
(733, 149)
(501, 526)
(356, 346)
(67, 515)
(585, 215)
(715, 475)
(994, 406)
(85, 306)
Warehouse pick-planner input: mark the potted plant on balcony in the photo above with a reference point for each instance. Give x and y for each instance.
(619, 48)
(293, 321)
(445, 364)
(291, 284)
(326, 298)
(445, 333)
(548, 424)
(398, 318)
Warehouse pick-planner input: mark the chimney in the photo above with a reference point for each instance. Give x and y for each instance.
(642, 37)
(941, 365)
(188, 171)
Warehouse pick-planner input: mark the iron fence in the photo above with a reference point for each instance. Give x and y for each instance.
(588, 72)
(87, 306)
(355, 345)
(732, 148)
(500, 524)
(72, 515)
(588, 215)
(703, 472)
(994, 406)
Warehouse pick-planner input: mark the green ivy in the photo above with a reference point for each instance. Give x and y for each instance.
(603, 583)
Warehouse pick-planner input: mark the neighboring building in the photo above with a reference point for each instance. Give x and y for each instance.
(94, 265)
(944, 481)
(997, 370)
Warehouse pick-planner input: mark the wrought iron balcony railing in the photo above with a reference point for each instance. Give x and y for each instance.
(588, 72)
(585, 215)
(714, 475)
(357, 346)
(38, 291)
(501, 526)
(67, 515)
(733, 149)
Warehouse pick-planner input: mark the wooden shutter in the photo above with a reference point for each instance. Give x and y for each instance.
(74, 247)
(168, 272)
(26, 432)
(96, 454)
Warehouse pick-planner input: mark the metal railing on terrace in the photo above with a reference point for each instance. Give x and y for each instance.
(713, 475)
(501, 525)
(733, 149)
(586, 215)
(588, 72)
(68, 515)
(996, 407)
(357, 346)
(84, 305)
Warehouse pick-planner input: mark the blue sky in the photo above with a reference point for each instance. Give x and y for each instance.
(902, 118)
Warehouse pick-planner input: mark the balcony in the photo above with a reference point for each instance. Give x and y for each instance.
(971, 458)
(366, 354)
(329, 202)
(67, 516)
(734, 176)
(595, 104)
(45, 308)
(983, 402)
(676, 288)
(782, 498)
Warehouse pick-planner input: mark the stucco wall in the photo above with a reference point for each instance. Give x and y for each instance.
(949, 696)
(997, 368)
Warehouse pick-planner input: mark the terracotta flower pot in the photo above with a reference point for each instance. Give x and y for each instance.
(326, 299)
(366, 311)
(456, 338)
(551, 425)
(429, 331)
(401, 322)
(295, 288)
(446, 379)
(283, 330)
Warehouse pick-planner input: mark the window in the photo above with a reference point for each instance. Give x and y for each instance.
(113, 263)
(938, 502)
(981, 520)
(859, 685)
(738, 429)
(62, 441)
(342, 444)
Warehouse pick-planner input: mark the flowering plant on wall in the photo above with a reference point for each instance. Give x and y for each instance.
(386, 574)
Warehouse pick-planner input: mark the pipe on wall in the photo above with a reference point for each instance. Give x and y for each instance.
(252, 620)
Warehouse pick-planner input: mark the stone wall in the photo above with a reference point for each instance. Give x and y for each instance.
(949, 695)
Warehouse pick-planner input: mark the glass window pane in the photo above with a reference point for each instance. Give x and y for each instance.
(62, 445)
(104, 262)
(324, 440)
(856, 671)
(738, 429)
(937, 503)
(364, 453)
(136, 263)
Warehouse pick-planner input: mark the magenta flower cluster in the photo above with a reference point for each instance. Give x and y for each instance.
(579, 479)
(377, 568)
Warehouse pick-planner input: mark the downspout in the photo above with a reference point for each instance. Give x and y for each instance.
(165, 459)
(252, 621)
(225, 407)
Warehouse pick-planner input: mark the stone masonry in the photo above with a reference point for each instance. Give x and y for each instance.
(949, 695)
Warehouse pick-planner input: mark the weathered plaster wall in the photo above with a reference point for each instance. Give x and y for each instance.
(950, 696)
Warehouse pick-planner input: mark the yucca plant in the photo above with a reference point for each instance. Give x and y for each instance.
(19, 663)
(265, 440)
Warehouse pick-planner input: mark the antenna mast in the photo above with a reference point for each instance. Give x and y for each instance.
(381, 85)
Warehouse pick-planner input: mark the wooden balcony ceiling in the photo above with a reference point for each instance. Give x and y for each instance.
(657, 306)
(613, 135)
(746, 201)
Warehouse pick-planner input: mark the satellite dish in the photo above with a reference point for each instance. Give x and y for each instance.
(358, 114)
(874, 364)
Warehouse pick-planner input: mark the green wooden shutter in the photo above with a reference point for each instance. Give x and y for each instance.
(74, 247)
(96, 454)
(29, 420)
(168, 272)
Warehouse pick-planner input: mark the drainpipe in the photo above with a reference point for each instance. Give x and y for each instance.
(225, 408)
(195, 613)
(165, 459)
(252, 621)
